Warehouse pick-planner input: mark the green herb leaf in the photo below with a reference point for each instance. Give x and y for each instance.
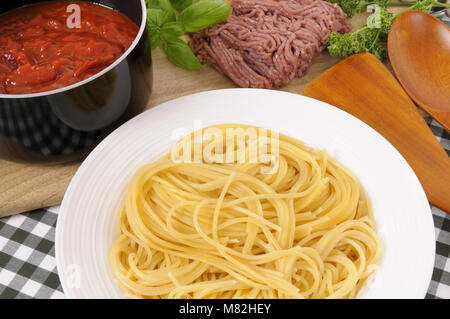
(362, 4)
(179, 53)
(371, 38)
(155, 20)
(203, 14)
(426, 5)
(350, 7)
(172, 29)
(163, 27)
(159, 4)
(159, 13)
(362, 40)
(164, 10)
(180, 5)
(154, 36)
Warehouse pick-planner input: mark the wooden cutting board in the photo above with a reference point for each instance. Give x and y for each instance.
(24, 187)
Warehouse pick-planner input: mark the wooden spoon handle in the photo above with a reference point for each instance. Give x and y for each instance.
(361, 85)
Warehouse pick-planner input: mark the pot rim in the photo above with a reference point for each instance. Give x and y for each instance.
(95, 76)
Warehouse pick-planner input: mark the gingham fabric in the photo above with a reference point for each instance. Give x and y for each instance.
(27, 256)
(27, 253)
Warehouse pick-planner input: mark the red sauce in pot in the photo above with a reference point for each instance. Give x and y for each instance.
(39, 52)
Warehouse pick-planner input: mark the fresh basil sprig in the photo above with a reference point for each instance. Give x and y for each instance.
(203, 14)
(165, 29)
(165, 7)
(172, 29)
(180, 5)
(179, 53)
(156, 18)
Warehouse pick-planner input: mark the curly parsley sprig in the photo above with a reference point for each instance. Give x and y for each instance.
(350, 7)
(372, 37)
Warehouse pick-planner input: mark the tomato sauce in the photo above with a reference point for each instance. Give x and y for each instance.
(39, 52)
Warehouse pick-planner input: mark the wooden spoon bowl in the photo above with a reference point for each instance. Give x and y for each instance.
(419, 51)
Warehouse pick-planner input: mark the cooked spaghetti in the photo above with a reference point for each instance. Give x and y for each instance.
(297, 226)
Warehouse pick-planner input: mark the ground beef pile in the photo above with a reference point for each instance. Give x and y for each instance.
(265, 44)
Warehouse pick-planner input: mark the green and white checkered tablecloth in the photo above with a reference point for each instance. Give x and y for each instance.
(27, 251)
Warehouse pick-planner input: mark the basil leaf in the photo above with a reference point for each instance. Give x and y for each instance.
(154, 35)
(203, 14)
(159, 13)
(172, 29)
(164, 5)
(179, 53)
(166, 11)
(155, 18)
(180, 5)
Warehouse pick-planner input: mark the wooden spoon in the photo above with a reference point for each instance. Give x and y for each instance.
(361, 85)
(419, 51)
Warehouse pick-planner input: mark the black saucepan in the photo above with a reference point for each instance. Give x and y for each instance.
(59, 126)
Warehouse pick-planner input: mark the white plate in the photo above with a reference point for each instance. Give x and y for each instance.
(89, 210)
